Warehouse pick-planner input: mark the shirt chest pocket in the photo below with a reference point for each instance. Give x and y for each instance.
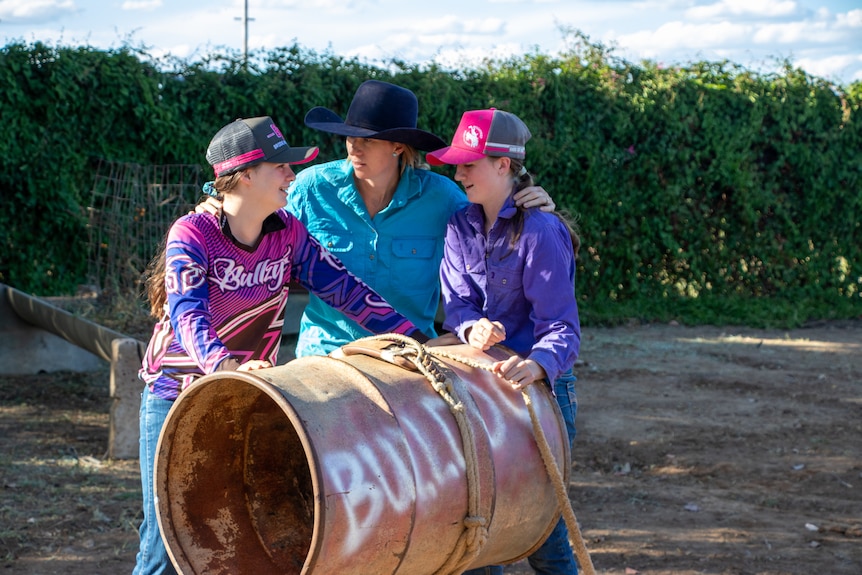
(505, 278)
(414, 261)
(337, 244)
(414, 248)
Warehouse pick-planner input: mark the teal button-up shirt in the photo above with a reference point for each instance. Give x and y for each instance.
(397, 253)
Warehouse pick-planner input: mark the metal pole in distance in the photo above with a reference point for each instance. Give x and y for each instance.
(245, 20)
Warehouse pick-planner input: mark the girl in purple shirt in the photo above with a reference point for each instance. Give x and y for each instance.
(220, 287)
(508, 276)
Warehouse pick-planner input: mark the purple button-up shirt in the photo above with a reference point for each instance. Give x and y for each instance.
(529, 287)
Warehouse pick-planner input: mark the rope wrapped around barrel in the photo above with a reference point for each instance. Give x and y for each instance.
(475, 533)
(576, 539)
(476, 527)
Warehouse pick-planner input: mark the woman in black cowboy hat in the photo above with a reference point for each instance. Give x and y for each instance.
(382, 215)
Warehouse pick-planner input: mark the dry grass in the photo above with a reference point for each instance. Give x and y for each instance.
(65, 507)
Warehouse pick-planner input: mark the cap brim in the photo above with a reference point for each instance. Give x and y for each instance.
(294, 155)
(452, 156)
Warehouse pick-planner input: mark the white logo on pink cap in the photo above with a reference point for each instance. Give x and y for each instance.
(472, 136)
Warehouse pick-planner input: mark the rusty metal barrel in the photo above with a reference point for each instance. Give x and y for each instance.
(353, 464)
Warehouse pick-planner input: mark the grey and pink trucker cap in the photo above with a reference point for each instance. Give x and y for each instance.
(246, 142)
(483, 133)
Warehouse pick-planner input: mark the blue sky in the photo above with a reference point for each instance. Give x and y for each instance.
(824, 38)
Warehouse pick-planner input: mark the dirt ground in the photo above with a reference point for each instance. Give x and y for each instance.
(714, 450)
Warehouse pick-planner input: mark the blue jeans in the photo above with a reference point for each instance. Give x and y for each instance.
(152, 558)
(555, 556)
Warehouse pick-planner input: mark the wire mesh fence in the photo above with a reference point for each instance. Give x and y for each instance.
(130, 210)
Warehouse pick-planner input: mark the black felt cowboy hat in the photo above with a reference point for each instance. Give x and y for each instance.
(381, 111)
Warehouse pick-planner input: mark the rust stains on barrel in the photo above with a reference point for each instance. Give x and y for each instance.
(351, 464)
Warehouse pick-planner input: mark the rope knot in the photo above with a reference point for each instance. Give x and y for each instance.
(477, 534)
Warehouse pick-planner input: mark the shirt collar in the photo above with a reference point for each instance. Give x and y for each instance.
(509, 208)
(272, 223)
(476, 214)
(409, 185)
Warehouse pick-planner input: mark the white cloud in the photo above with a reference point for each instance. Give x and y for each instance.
(485, 26)
(331, 7)
(447, 25)
(724, 8)
(429, 25)
(832, 66)
(141, 4)
(30, 11)
(852, 19)
(677, 35)
(794, 33)
(413, 39)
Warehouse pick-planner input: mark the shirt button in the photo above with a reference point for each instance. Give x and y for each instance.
(468, 266)
(504, 281)
(371, 257)
(414, 251)
(329, 244)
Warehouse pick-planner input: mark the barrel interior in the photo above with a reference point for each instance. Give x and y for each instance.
(238, 491)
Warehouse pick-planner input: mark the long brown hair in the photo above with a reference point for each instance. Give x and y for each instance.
(154, 276)
(524, 179)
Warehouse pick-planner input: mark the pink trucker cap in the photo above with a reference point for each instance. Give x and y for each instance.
(484, 133)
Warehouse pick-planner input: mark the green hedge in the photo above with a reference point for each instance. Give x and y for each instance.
(705, 194)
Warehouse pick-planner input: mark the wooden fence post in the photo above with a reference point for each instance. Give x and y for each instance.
(123, 435)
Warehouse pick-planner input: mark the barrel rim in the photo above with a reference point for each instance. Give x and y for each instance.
(255, 379)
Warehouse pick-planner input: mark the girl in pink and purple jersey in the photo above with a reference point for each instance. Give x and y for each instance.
(220, 287)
